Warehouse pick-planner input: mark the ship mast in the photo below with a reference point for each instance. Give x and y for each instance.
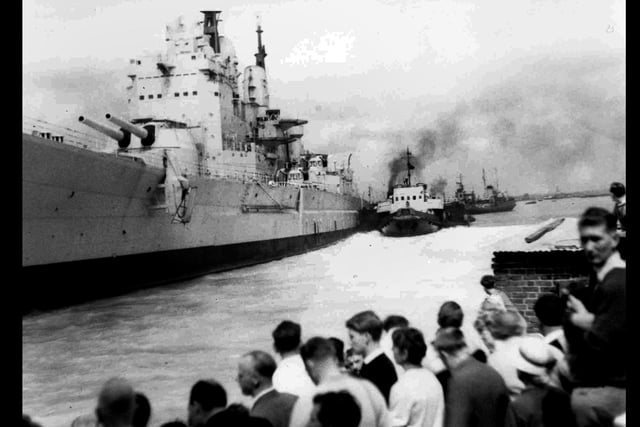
(262, 53)
(409, 167)
(484, 180)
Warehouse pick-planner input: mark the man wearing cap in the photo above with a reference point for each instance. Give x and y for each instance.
(539, 404)
(595, 327)
(477, 395)
(619, 196)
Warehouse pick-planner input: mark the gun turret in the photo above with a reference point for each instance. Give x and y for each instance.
(146, 133)
(122, 136)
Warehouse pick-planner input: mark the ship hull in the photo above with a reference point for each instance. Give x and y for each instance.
(500, 207)
(57, 285)
(409, 227)
(89, 216)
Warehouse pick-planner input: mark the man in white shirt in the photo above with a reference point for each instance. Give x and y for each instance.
(390, 324)
(322, 364)
(290, 376)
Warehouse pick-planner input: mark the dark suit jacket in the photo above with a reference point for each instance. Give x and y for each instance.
(275, 407)
(380, 371)
(476, 396)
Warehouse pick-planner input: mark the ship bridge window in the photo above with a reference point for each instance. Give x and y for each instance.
(402, 198)
(195, 92)
(414, 197)
(193, 57)
(185, 93)
(141, 97)
(176, 94)
(150, 96)
(159, 96)
(397, 198)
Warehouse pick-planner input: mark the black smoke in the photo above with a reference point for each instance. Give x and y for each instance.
(555, 122)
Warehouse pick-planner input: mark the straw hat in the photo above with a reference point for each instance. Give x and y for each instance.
(535, 356)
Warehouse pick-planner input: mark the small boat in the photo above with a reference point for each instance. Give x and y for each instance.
(531, 202)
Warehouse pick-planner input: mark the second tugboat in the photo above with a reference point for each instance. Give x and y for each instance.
(492, 201)
(411, 210)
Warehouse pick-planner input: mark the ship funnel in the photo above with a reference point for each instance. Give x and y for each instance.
(146, 133)
(112, 133)
(211, 28)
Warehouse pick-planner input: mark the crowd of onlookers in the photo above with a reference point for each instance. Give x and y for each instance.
(493, 373)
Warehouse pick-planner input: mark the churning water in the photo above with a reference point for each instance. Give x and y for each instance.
(164, 339)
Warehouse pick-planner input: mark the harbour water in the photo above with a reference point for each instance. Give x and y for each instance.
(163, 340)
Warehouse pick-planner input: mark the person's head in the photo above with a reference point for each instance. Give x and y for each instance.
(450, 315)
(506, 324)
(176, 423)
(364, 329)
(488, 282)
(335, 409)
(142, 411)
(234, 415)
(549, 309)
(116, 403)
(255, 371)
(617, 190)
(408, 346)
(28, 422)
(318, 354)
(205, 398)
(353, 361)
(451, 346)
(535, 361)
(395, 321)
(339, 346)
(597, 228)
(86, 420)
(286, 337)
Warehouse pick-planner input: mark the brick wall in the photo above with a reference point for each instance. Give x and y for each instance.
(524, 276)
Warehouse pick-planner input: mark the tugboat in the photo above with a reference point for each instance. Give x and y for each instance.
(492, 201)
(411, 210)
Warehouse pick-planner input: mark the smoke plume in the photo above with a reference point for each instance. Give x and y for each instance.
(555, 123)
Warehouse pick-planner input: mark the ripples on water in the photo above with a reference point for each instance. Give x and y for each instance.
(163, 340)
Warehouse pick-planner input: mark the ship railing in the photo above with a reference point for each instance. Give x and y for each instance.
(63, 134)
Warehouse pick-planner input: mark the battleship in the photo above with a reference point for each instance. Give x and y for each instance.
(492, 201)
(203, 176)
(411, 210)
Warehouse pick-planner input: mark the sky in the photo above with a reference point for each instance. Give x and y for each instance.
(531, 91)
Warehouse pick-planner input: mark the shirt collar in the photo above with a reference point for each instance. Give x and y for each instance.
(622, 200)
(375, 353)
(262, 393)
(614, 261)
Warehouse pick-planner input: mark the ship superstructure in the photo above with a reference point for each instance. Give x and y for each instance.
(201, 174)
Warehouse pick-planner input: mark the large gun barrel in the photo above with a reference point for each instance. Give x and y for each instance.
(113, 133)
(137, 131)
